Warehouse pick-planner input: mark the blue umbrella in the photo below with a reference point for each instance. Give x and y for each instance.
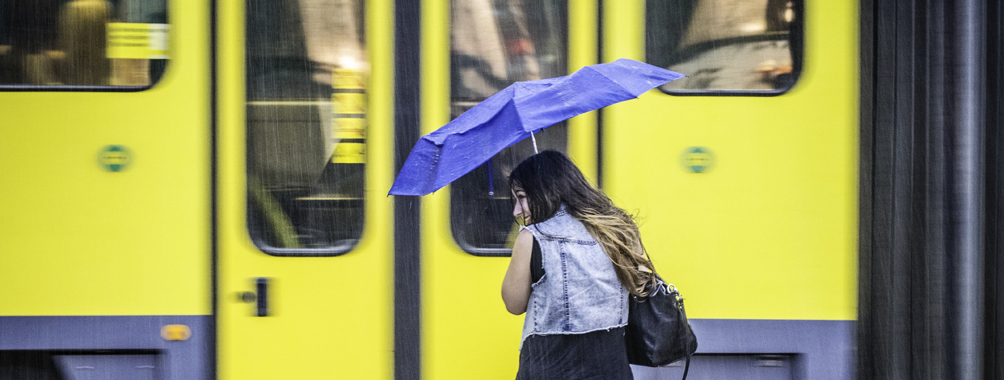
(514, 114)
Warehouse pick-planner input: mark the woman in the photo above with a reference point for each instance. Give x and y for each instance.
(572, 270)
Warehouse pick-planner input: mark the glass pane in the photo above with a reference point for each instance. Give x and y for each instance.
(726, 45)
(494, 44)
(306, 125)
(82, 42)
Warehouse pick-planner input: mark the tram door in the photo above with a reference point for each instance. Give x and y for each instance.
(104, 139)
(304, 239)
(745, 173)
(472, 49)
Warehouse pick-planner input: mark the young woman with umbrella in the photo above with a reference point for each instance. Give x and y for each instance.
(574, 265)
(590, 258)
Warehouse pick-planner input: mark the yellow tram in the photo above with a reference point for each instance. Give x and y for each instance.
(198, 189)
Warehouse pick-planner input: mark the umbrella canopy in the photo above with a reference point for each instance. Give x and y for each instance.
(516, 112)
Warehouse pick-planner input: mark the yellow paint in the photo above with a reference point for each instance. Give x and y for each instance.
(582, 37)
(770, 231)
(80, 240)
(332, 317)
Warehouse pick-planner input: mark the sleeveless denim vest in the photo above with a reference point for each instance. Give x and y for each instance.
(579, 292)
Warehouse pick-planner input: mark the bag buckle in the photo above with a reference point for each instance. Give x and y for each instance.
(673, 291)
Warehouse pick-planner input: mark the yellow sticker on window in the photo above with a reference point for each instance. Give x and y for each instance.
(349, 153)
(347, 79)
(137, 41)
(349, 102)
(349, 128)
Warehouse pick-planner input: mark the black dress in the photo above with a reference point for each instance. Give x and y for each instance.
(599, 355)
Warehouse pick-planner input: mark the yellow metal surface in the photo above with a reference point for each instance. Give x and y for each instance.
(79, 239)
(466, 331)
(582, 46)
(769, 231)
(331, 316)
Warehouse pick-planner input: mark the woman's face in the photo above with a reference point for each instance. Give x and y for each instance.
(522, 208)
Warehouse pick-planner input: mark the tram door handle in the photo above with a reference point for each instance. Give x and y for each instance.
(261, 287)
(259, 296)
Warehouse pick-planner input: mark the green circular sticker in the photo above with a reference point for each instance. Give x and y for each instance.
(697, 159)
(114, 158)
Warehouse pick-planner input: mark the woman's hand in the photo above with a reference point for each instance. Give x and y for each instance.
(516, 285)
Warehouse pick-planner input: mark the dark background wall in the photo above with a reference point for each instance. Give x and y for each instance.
(930, 191)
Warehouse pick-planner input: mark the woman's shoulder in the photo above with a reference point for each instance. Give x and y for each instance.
(524, 239)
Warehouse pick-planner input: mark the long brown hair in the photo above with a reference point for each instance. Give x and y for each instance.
(550, 179)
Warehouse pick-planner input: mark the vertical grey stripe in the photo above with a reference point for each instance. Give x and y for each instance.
(865, 174)
(599, 112)
(994, 195)
(407, 278)
(213, 356)
(967, 195)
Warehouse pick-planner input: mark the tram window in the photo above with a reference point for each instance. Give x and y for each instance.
(494, 43)
(727, 47)
(306, 125)
(86, 44)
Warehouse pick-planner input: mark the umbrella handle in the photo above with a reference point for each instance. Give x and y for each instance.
(534, 139)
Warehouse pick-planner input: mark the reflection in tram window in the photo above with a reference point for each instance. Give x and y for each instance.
(306, 125)
(82, 42)
(743, 46)
(495, 43)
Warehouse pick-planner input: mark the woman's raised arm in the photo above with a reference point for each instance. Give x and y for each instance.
(516, 285)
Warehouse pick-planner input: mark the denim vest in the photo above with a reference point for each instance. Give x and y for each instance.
(579, 292)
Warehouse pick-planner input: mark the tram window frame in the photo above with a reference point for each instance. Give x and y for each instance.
(545, 139)
(302, 98)
(157, 66)
(655, 55)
